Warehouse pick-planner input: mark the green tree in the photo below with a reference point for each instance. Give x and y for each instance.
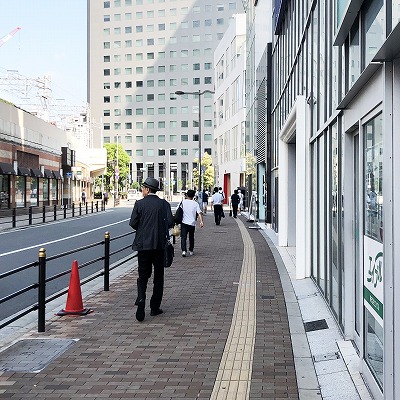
(251, 168)
(123, 164)
(208, 174)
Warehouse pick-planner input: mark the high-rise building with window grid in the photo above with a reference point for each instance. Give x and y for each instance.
(140, 53)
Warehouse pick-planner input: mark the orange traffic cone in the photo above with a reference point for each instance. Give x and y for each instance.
(74, 304)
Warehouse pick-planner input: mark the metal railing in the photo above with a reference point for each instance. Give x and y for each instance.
(17, 217)
(41, 285)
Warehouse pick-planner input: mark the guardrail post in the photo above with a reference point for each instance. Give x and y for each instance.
(44, 214)
(30, 215)
(14, 217)
(55, 211)
(42, 290)
(65, 211)
(107, 261)
(80, 209)
(92, 207)
(86, 208)
(97, 206)
(73, 209)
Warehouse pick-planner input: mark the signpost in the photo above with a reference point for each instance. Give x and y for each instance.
(69, 176)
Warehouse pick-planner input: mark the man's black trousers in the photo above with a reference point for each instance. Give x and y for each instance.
(146, 260)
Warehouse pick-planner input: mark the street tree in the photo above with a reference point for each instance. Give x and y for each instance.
(208, 174)
(123, 166)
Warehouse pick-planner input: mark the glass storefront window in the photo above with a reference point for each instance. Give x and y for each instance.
(373, 29)
(354, 54)
(373, 247)
(374, 346)
(20, 185)
(34, 192)
(373, 212)
(46, 192)
(395, 13)
(53, 189)
(335, 221)
(341, 6)
(4, 191)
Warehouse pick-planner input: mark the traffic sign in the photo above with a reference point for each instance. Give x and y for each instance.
(68, 174)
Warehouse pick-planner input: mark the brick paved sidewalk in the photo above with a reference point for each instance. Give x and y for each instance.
(176, 355)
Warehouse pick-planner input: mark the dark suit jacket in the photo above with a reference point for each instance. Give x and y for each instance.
(150, 217)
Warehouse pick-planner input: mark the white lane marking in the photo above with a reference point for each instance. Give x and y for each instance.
(60, 240)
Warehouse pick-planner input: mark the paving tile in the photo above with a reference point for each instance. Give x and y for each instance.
(178, 354)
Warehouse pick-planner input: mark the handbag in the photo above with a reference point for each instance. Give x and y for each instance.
(169, 253)
(230, 213)
(176, 231)
(178, 214)
(169, 250)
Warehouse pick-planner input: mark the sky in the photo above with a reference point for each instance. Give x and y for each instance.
(52, 41)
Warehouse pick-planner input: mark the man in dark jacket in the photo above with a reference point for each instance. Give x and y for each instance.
(235, 200)
(151, 217)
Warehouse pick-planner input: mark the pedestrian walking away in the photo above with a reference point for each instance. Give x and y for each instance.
(221, 192)
(216, 205)
(190, 211)
(235, 200)
(83, 195)
(150, 217)
(205, 201)
(105, 198)
(240, 194)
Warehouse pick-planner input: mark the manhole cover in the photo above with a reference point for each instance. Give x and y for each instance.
(32, 355)
(315, 325)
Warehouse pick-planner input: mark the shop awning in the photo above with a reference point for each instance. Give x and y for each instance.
(57, 175)
(48, 174)
(6, 169)
(36, 172)
(24, 171)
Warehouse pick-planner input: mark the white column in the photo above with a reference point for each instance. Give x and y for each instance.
(283, 194)
(303, 268)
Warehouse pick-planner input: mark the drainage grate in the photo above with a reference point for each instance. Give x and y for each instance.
(265, 297)
(33, 355)
(326, 357)
(315, 325)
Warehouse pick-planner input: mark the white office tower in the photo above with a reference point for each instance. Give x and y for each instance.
(140, 53)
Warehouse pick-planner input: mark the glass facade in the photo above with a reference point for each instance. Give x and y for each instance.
(373, 248)
(4, 191)
(345, 163)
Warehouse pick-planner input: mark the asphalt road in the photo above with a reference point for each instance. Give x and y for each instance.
(20, 247)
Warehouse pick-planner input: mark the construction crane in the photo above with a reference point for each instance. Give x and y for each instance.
(9, 36)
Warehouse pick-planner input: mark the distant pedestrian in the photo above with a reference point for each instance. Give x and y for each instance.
(151, 218)
(235, 199)
(105, 198)
(205, 201)
(190, 210)
(216, 205)
(240, 208)
(83, 196)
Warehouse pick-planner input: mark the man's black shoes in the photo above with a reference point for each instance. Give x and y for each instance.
(140, 314)
(158, 311)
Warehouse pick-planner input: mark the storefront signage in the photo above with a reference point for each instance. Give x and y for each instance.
(373, 278)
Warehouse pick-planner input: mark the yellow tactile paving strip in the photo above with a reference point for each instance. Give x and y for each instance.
(234, 374)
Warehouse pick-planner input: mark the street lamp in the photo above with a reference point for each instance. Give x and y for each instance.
(116, 175)
(168, 171)
(199, 94)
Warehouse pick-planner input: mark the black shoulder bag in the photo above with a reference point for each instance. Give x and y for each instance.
(179, 214)
(169, 251)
